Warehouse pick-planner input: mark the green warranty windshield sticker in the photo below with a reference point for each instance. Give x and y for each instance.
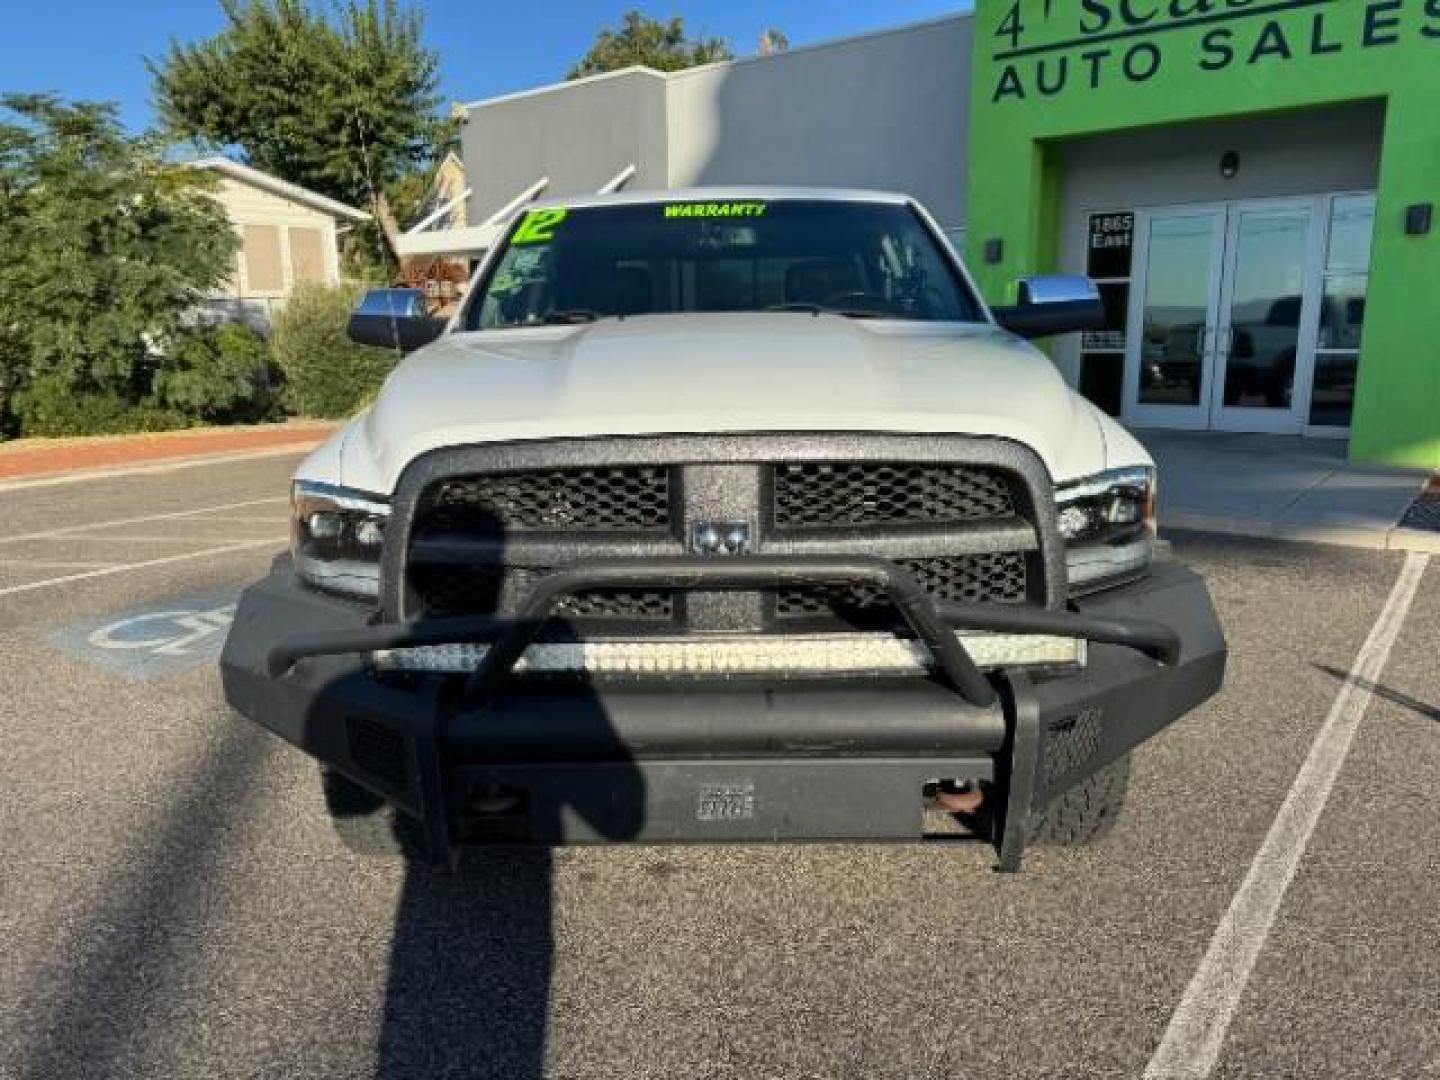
(539, 226)
(715, 210)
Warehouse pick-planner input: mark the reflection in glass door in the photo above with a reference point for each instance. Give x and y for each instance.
(1171, 341)
(1264, 316)
(1344, 283)
(1247, 316)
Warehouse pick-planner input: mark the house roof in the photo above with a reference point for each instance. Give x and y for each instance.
(245, 174)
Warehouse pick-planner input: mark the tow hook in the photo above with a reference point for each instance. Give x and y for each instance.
(493, 800)
(959, 797)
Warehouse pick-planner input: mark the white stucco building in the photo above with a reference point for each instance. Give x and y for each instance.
(288, 234)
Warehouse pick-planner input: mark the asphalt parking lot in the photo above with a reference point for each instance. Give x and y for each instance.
(173, 904)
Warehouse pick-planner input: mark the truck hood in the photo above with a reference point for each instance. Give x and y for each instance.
(696, 374)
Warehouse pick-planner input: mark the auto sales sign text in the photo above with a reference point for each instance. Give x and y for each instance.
(1052, 47)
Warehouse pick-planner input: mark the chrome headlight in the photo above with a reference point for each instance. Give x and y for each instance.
(336, 536)
(1108, 524)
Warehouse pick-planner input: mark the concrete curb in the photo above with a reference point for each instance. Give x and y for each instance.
(1372, 538)
(158, 465)
(1403, 539)
(33, 459)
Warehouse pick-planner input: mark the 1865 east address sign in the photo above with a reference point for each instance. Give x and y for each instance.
(1053, 46)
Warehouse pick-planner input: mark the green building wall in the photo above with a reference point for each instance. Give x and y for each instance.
(1049, 70)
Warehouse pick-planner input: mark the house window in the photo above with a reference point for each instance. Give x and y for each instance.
(264, 272)
(307, 255)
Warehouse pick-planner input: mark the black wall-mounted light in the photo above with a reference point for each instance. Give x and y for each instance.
(1418, 219)
(994, 250)
(1229, 164)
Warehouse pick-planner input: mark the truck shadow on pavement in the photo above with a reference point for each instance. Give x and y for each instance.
(122, 968)
(469, 984)
(468, 989)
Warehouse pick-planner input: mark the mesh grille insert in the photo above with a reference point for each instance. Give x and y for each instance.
(613, 498)
(810, 494)
(997, 578)
(471, 590)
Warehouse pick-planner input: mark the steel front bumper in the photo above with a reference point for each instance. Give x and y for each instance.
(714, 759)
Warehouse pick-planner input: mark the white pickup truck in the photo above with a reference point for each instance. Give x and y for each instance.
(724, 516)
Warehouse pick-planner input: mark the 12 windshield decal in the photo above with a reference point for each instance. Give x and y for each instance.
(539, 226)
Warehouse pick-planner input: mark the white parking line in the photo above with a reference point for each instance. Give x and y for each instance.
(127, 567)
(257, 520)
(49, 564)
(70, 530)
(1196, 1033)
(108, 539)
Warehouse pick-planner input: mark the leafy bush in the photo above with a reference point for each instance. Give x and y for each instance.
(326, 374)
(50, 406)
(106, 249)
(220, 375)
(214, 375)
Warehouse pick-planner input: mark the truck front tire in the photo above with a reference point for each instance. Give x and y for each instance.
(366, 824)
(1086, 812)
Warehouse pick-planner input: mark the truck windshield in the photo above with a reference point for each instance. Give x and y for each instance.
(859, 259)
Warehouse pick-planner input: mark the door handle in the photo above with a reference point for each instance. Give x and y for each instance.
(1227, 335)
(1200, 336)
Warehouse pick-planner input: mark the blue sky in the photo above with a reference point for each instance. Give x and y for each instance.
(95, 49)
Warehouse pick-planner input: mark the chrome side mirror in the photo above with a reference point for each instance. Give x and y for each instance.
(394, 319)
(1053, 304)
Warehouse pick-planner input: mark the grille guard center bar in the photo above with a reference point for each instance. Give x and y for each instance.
(933, 622)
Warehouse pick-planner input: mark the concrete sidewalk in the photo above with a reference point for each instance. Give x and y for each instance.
(1284, 487)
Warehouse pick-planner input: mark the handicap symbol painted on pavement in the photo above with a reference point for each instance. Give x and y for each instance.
(165, 633)
(153, 643)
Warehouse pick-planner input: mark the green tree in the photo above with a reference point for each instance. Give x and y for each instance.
(343, 100)
(657, 44)
(105, 250)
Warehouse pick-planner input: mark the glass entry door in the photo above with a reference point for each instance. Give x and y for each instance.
(1266, 313)
(1171, 340)
(1225, 316)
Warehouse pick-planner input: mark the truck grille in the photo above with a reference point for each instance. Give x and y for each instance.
(486, 524)
(606, 499)
(998, 578)
(823, 493)
(466, 590)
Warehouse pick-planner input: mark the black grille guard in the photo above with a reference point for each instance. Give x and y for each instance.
(933, 622)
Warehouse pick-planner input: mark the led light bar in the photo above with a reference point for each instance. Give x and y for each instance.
(819, 654)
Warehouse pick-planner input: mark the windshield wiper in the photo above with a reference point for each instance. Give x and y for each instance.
(571, 316)
(821, 309)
